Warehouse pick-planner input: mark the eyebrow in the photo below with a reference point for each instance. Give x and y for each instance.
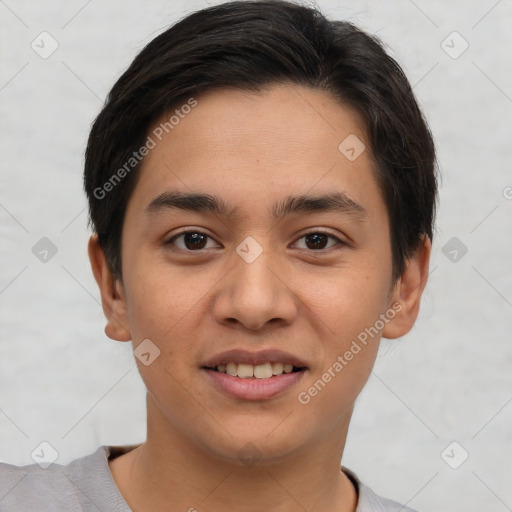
(336, 202)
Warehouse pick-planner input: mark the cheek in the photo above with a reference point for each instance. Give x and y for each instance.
(160, 299)
(349, 353)
(161, 306)
(349, 304)
(350, 299)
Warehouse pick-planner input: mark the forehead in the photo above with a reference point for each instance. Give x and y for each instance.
(249, 147)
(284, 120)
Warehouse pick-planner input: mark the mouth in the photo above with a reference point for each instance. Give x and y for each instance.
(266, 370)
(254, 376)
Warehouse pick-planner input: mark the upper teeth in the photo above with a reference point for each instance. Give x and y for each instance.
(260, 371)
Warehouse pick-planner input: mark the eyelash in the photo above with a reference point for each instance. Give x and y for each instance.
(170, 242)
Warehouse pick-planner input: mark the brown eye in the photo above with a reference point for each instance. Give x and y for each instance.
(194, 240)
(189, 241)
(318, 240)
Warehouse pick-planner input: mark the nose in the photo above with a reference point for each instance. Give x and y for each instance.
(256, 296)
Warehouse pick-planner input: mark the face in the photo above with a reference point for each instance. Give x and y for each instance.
(262, 283)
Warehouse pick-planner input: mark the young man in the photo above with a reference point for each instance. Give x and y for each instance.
(262, 187)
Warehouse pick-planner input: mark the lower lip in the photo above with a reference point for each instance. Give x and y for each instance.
(252, 388)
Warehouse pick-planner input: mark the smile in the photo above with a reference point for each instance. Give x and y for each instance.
(248, 375)
(260, 371)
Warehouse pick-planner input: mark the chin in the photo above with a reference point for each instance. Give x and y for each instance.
(255, 445)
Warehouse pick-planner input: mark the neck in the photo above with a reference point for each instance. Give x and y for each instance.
(170, 472)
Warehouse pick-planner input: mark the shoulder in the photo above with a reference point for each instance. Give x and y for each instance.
(368, 501)
(371, 502)
(35, 488)
(78, 486)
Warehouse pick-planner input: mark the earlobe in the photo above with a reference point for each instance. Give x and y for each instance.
(112, 294)
(408, 291)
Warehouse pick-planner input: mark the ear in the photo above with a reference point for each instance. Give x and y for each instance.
(112, 294)
(406, 296)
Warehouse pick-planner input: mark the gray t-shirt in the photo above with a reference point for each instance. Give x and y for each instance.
(87, 485)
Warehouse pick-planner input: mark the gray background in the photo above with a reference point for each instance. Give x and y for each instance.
(63, 381)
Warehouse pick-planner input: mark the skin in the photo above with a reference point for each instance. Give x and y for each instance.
(252, 150)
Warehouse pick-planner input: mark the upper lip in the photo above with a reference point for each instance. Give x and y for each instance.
(254, 358)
